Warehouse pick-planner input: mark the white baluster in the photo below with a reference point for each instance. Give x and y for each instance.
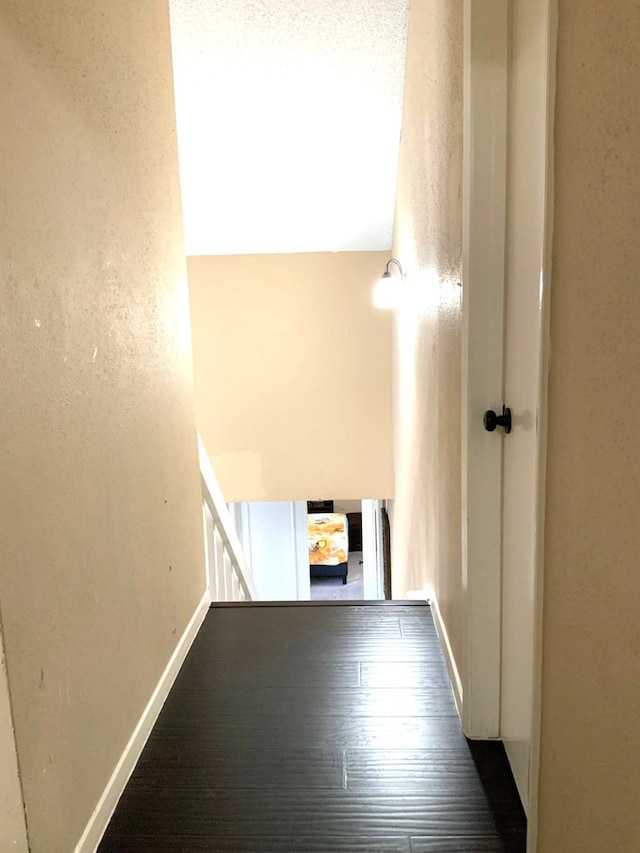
(219, 561)
(209, 548)
(228, 577)
(235, 585)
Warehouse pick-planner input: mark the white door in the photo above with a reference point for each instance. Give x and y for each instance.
(486, 42)
(507, 143)
(525, 281)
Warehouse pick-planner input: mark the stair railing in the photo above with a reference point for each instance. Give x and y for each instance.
(228, 573)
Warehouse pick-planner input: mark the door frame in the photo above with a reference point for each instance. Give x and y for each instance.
(372, 550)
(486, 68)
(551, 12)
(13, 832)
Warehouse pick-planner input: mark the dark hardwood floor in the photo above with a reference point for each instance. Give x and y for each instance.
(316, 729)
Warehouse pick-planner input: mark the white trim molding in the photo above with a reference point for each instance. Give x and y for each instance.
(301, 549)
(545, 355)
(107, 803)
(372, 556)
(452, 667)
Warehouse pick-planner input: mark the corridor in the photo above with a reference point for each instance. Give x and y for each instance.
(318, 728)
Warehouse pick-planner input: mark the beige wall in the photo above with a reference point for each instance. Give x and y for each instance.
(101, 563)
(428, 238)
(293, 374)
(589, 783)
(590, 777)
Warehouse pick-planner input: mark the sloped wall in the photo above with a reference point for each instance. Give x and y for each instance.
(293, 375)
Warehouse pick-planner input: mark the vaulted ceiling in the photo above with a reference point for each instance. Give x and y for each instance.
(289, 116)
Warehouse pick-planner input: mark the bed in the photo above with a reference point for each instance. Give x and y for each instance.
(328, 534)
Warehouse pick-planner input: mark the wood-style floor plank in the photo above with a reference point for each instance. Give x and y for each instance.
(382, 702)
(304, 812)
(228, 733)
(260, 844)
(404, 674)
(272, 672)
(464, 845)
(280, 768)
(424, 770)
(316, 730)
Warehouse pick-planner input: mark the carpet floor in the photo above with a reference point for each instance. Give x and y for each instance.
(332, 589)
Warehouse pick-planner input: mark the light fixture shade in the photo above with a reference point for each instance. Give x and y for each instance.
(386, 291)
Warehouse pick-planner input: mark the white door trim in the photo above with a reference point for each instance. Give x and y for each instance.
(301, 549)
(13, 828)
(372, 556)
(545, 354)
(486, 36)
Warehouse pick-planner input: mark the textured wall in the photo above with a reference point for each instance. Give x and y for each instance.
(288, 123)
(293, 375)
(428, 239)
(101, 563)
(590, 782)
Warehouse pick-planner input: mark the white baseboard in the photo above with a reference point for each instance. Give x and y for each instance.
(107, 803)
(454, 675)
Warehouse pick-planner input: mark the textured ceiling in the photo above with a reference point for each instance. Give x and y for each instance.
(289, 115)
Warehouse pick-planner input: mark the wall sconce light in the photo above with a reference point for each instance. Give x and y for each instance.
(386, 293)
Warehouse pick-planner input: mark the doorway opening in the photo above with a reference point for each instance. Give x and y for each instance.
(316, 550)
(336, 559)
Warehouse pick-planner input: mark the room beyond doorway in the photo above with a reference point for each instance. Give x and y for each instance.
(316, 550)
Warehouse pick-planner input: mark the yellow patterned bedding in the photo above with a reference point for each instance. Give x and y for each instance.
(328, 538)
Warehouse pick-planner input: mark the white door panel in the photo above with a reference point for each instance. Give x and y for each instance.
(483, 272)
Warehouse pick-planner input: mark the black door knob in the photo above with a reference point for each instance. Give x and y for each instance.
(492, 420)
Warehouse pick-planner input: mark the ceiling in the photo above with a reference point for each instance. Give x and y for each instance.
(289, 116)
